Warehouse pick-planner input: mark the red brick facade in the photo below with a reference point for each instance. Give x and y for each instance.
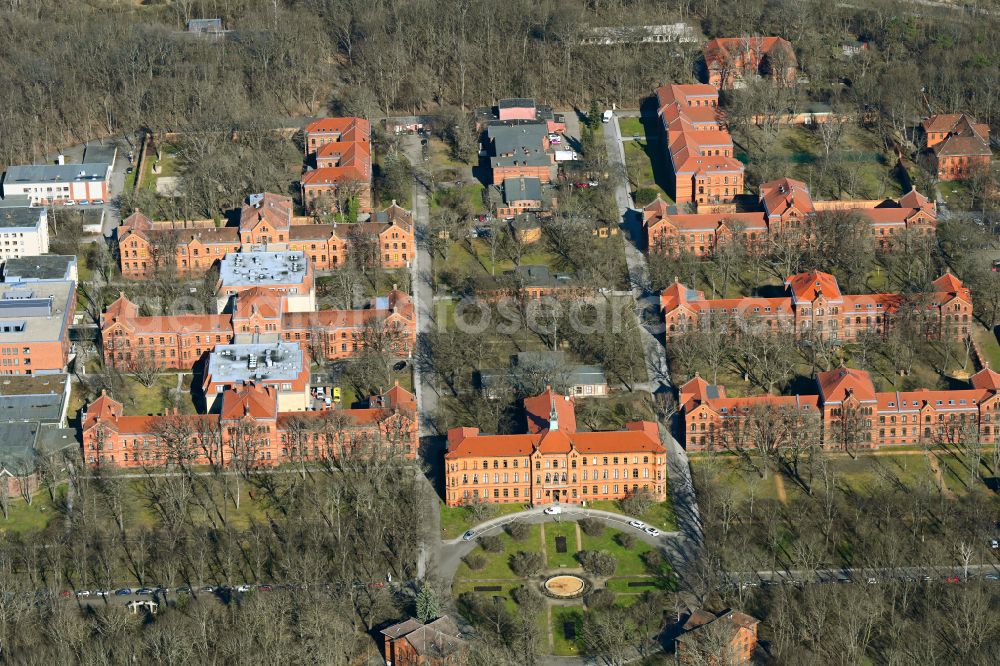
(814, 307)
(701, 150)
(341, 148)
(248, 431)
(553, 462)
(180, 341)
(848, 406)
(784, 204)
(144, 245)
(958, 147)
(729, 61)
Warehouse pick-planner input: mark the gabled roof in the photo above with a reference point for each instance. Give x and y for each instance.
(806, 287)
(721, 49)
(137, 221)
(350, 129)
(677, 294)
(105, 408)
(253, 400)
(834, 385)
(258, 300)
(987, 378)
(274, 209)
(778, 196)
(948, 282)
(914, 199)
(121, 308)
(538, 409)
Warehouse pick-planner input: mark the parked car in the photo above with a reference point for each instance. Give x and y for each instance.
(183, 589)
(638, 524)
(65, 594)
(243, 588)
(555, 139)
(265, 588)
(991, 576)
(996, 265)
(102, 593)
(83, 593)
(582, 185)
(652, 531)
(607, 116)
(208, 589)
(469, 536)
(994, 543)
(123, 592)
(553, 510)
(148, 591)
(952, 579)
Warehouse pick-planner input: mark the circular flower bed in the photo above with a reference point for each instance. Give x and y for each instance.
(565, 586)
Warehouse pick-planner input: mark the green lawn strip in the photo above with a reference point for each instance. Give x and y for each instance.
(561, 615)
(629, 559)
(472, 193)
(631, 127)
(660, 515)
(988, 345)
(639, 162)
(620, 585)
(555, 559)
(455, 520)
(141, 400)
(498, 564)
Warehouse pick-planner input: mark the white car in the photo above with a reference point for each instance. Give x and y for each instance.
(243, 588)
(553, 510)
(637, 524)
(555, 138)
(652, 531)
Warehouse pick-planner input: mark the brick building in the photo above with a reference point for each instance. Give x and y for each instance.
(413, 643)
(701, 150)
(341, 149)
(266, 224)
(721, 639)
(283, 367)
(730, 61)
(846, 406)
(957, 146)
(34, 326)
(519, 149)
(783, 205)
(813, 306)
(258, 316)
(553, 461)
(249, 430)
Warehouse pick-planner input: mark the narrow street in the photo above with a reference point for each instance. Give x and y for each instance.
(648, 316)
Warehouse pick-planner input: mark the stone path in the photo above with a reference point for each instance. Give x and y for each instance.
(779, 488)
(938, 476)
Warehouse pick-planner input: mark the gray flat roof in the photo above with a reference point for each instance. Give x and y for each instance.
(56, 173)
(230, 364)
(15, 201)
(22, 218)
(38, 408)
(97, 152)
(510, 137)
(34, 311)
(43, 267)
(516, 103)
(263, 268)
(20, 440)
(522, 189)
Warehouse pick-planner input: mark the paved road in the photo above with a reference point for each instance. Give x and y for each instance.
(453, 551)
(870, 575)
(647, 312)
(423, 291)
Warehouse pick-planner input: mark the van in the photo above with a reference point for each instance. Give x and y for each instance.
(607, 116)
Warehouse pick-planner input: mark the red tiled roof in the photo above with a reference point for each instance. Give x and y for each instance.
(711, 221)
(808, 286)
(780, 195)
(256, 401)
(987, 378)
(722, 48)
(835, 384)
(538, 409)
(948, 282)
(331, 176)
(275, 209)
(351, 129)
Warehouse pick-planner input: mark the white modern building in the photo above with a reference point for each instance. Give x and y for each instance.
(24, 232)
(67, 184)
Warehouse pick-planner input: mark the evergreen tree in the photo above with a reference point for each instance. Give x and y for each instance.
(594, 115)
(428, 604)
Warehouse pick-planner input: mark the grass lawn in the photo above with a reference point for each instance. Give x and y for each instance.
(631, 127)
(561, 616)
(988, 345)
(505, 591)
(629, 559)
(441, 160)
(645, 162)
(620, 585)
(138, 512)
(470, 193)
(168, 164)
(660, 515)
(554, 558)
(498, 564)
(866, 472)
(455, 520)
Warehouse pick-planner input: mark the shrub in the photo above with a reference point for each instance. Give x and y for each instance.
(625, 540)
(598, 562)
(528, 598)
(637, 503)
(526, 564)
(475, 561)
(653, 559)
(592, 527)
(600, 599)
(491, 543)
(518, 531)
(645, 195)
